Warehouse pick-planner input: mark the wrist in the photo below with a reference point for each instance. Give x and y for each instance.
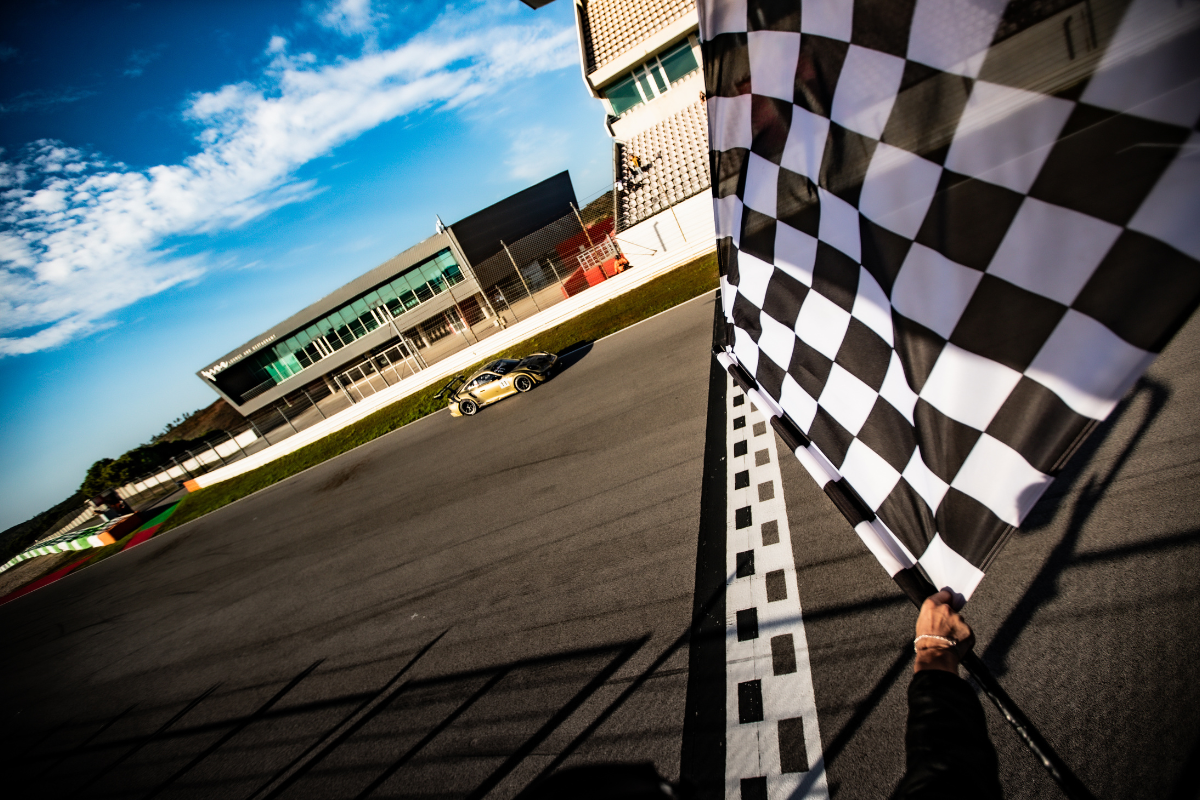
(939, 658)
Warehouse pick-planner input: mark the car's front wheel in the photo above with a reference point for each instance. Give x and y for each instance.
(523, 383)
(468, 408)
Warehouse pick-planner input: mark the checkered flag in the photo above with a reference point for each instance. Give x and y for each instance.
(952, 234)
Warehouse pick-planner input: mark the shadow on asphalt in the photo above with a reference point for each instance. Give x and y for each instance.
(596, 666)
(537, 676)
(571, 355)
(1045, 586)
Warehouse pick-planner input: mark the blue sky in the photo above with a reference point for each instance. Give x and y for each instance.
(178, 176)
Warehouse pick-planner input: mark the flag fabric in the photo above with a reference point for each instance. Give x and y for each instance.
(952, 234)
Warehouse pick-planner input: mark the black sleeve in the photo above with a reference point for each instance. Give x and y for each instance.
(949, 754)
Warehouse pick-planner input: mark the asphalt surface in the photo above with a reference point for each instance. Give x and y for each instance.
(536, 561)
(465, 603)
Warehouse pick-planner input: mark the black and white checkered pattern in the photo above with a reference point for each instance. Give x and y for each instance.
(947, 249)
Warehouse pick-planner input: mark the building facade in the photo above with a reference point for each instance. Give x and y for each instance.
(405, 305)
(641, 59)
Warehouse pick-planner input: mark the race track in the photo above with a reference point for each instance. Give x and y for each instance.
(464, 604)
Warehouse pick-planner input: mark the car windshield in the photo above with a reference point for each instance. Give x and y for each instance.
(502, 366)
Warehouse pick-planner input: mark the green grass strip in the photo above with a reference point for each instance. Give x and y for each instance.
(664, 292)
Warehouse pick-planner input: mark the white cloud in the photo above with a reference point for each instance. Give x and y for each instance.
(351, 17)
(277, 44)
(537, 152)
(81, 237)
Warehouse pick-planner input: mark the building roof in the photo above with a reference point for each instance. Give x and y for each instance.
(612, 27)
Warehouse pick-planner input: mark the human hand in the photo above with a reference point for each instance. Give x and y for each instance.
(938, 618)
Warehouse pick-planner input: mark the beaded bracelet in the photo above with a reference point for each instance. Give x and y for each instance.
(949, 641)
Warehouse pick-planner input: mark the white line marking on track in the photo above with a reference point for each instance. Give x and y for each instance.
(772, 739)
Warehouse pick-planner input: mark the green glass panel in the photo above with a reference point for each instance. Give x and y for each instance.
(623, 96)
(344, 334)
(313, 352)
(644, 82)
(423, 291)
(335, 343)
(386, 293)
(659, 80)
(302, 357)
(401, 285)
(273, 372)
(359, 307)
(678, 62)
(433, 275)
(409, 299)
(368, 321)
(357, 329)
(395, 307)
(292, 363)
(452, 274)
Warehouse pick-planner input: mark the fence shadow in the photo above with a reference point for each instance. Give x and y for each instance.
(1098, 480)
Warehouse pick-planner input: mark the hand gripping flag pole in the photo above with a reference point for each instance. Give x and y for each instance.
(948, 249)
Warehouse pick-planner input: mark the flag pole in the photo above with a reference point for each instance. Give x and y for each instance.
(908, 575)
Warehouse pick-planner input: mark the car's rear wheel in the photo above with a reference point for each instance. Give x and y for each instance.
(523, 383)
(468, 408)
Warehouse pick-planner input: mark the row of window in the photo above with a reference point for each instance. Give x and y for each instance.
(359, 317)
(651, 79)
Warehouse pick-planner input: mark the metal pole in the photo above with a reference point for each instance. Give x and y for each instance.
(239, 444)
(519, 275)
(582, 227)
(215, 453)
(377, 369)
(285, 419)
(550, 261)
(461, 315)
(317, 407)
(677, 225)
(338, 380)
(505, 299)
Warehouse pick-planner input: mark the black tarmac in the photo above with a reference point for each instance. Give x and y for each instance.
(466, 604)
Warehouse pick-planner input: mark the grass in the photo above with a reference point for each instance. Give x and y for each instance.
(664, 292)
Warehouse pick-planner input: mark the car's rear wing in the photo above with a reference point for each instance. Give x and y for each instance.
(449, 387)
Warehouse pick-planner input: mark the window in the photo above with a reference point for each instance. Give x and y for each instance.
(652, 78)
(363, 314)
(623, 96)
(678, 62)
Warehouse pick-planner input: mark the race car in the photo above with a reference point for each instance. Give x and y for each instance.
(496, 381)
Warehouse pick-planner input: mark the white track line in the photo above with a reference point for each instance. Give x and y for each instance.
(776, 753)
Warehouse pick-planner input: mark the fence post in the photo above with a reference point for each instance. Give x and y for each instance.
(338, 380)
(520, 276)
(314, 402)
(461, 316)
(582, 227)
(239, 444)
(215, 453)
(677, 225)
(550, 261)
(505, 299)
(377, 369)
(285, 418)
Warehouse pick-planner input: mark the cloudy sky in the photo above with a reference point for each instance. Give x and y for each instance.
(177, 176)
